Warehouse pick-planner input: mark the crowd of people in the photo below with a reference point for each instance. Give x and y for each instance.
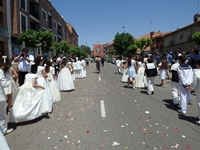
(38, 82)
(184, 72)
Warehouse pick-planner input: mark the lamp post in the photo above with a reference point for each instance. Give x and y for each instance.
(124, 28)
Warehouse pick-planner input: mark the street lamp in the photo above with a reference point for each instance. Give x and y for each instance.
(124, 28)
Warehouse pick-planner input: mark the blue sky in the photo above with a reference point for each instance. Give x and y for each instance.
(98, 21)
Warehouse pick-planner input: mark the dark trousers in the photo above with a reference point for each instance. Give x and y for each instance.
(98, 67)
(21, 77)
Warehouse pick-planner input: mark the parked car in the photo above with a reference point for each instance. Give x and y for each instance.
(91, 60)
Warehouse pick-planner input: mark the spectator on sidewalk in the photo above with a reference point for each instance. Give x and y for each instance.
(23, 60)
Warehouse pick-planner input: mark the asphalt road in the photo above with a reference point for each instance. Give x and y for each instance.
(103, 114)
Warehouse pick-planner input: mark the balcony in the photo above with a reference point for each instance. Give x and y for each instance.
(60, 33)
(34, 14)
(3, 31)
(34, 10)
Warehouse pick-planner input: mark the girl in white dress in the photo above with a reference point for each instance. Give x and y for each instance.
(124, 77)
(71, 69)
(131, 65)
(65, 80)
(83, 70)
(41, 80)
(51, 80)
(9, 74)
(140, 78)
(30, 102)
(163, 70)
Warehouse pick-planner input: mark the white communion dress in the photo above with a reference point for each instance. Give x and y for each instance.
(30, 102)
(42, 82)
(53, 85)
(140, 78)
(65, 80)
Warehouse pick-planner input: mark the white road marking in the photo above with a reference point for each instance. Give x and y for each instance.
(103, 112)
(99, 78)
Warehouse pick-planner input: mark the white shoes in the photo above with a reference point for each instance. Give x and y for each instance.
(7, 131)
(182, 112)
(198, 122)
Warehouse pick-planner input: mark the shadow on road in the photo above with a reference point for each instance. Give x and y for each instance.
(144, 92)
(187, 118)
(15, 125)
(169, 104)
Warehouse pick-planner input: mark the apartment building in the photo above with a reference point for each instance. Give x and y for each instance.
(3, 28)
(37, 15)
(72, 36)
(181, 39)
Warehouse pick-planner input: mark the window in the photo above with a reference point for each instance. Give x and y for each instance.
(55, 24)
(181, 37)
(44, 14)
(55, 38)
(23, 22)
(23, 4)
(1, 3)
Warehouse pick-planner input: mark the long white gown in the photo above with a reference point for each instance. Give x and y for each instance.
(83, 70)
(140, 78)
(53, 85)
(65, 80)
(30, 102)
(42, 82)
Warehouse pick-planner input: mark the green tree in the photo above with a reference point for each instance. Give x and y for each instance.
(196, 38)
(76, 51)
(122, 42)
(131, 50)
(62, 46)
(143, 43)
(86, 49)
(32, 37)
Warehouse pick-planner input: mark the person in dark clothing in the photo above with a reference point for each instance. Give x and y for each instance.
(192, 61)
(102, 61)
(157, 59)
(98, 61)
(151, 72)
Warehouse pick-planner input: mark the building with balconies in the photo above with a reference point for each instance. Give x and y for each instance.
(3, 28)
(72, 36)
(37, 15)
(181, 39)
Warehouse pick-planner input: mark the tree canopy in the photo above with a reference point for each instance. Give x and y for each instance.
(86, 49)
(77, 51)
(62, 46)
(32, 37)
(143, 43)
(122, 42)
(196, 38)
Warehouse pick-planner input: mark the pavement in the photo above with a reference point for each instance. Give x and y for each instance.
(101, 113)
